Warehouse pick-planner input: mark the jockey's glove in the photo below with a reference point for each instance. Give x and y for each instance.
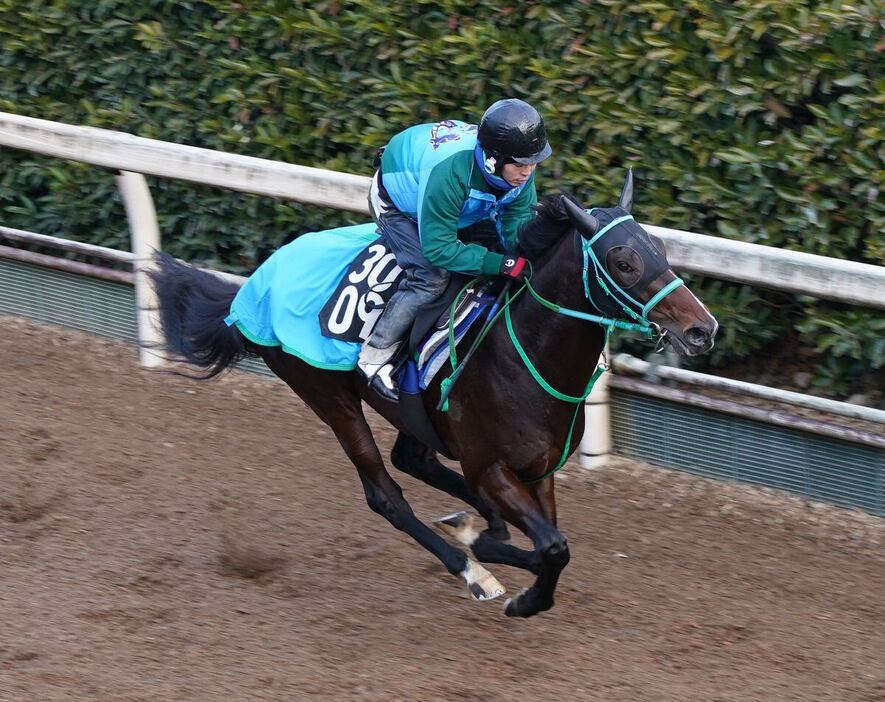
(514, 267)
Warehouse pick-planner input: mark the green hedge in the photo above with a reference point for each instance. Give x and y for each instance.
(758, 120)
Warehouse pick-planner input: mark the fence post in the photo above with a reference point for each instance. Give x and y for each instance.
(145, 235)
(596, 444)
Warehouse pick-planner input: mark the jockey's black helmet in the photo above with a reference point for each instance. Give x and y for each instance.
(513, 130)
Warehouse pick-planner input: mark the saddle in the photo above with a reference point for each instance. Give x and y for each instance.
(428, 351)
(319, 296)
(372, 278)
(354, 307)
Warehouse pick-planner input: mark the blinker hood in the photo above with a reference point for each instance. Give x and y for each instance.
(617, 228)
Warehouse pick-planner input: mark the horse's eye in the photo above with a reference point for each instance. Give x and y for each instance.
(624, 267)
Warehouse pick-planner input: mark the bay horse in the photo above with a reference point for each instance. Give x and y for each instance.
(513, 415)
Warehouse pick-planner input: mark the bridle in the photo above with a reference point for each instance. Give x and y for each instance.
(613, 297)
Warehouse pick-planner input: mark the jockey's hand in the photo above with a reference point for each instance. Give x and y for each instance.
(514, 267)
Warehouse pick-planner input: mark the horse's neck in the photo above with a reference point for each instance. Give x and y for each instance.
(565, 350)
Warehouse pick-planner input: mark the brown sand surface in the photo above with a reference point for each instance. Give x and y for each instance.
(164, 539)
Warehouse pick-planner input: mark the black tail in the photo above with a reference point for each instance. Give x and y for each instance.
(193, 305)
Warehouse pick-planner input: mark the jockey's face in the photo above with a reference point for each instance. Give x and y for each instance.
(516, 174)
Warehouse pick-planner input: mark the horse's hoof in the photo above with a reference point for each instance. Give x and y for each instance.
(459, 526)
(525, 604)
(481, 583)
(512, 605)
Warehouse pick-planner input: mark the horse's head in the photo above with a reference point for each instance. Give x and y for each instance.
(627, 276)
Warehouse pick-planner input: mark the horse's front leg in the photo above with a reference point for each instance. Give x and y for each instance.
(332, 396)
(532, 510)
(489, 550)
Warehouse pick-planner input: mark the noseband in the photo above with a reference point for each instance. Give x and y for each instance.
(609, 298)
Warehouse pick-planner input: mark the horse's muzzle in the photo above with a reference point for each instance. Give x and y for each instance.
(699, 339)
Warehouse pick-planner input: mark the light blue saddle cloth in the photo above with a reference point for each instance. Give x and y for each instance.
(280, 303)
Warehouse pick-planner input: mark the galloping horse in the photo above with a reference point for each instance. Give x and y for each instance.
(513, 417)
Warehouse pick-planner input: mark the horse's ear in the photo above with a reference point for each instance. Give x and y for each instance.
(586, 223)
(626, 200)
(659, 244)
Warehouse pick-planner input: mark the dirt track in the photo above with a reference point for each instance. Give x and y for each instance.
(162, 539)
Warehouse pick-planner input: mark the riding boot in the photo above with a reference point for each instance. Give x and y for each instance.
(375, 364)
(422, 284)
(380, 348)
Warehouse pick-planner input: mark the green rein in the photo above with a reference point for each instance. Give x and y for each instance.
(592, 265)
(608, 323)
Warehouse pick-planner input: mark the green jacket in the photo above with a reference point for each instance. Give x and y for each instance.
(433, 175)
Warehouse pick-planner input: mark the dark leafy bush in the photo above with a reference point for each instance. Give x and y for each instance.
(852, 342)
(755, 119)
(750, 320)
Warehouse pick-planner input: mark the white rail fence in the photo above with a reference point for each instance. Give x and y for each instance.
(793, 271)
(133, 157)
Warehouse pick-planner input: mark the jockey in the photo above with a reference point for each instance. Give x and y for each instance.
(434, 181)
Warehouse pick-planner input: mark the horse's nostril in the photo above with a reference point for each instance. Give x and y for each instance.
(697, 336)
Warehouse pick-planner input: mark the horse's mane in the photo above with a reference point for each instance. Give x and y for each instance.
(548, 227)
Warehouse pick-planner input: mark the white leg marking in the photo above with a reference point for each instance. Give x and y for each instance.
(516, 597)
(481, 583)
(459, 526)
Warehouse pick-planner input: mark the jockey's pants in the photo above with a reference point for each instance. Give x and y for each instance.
(422, 283)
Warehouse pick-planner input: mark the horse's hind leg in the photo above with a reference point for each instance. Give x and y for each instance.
(487, 549)
(331, 396)
(419, 460)
(385, 497)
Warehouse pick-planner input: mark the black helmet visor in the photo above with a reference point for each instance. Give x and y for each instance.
(533, 158)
